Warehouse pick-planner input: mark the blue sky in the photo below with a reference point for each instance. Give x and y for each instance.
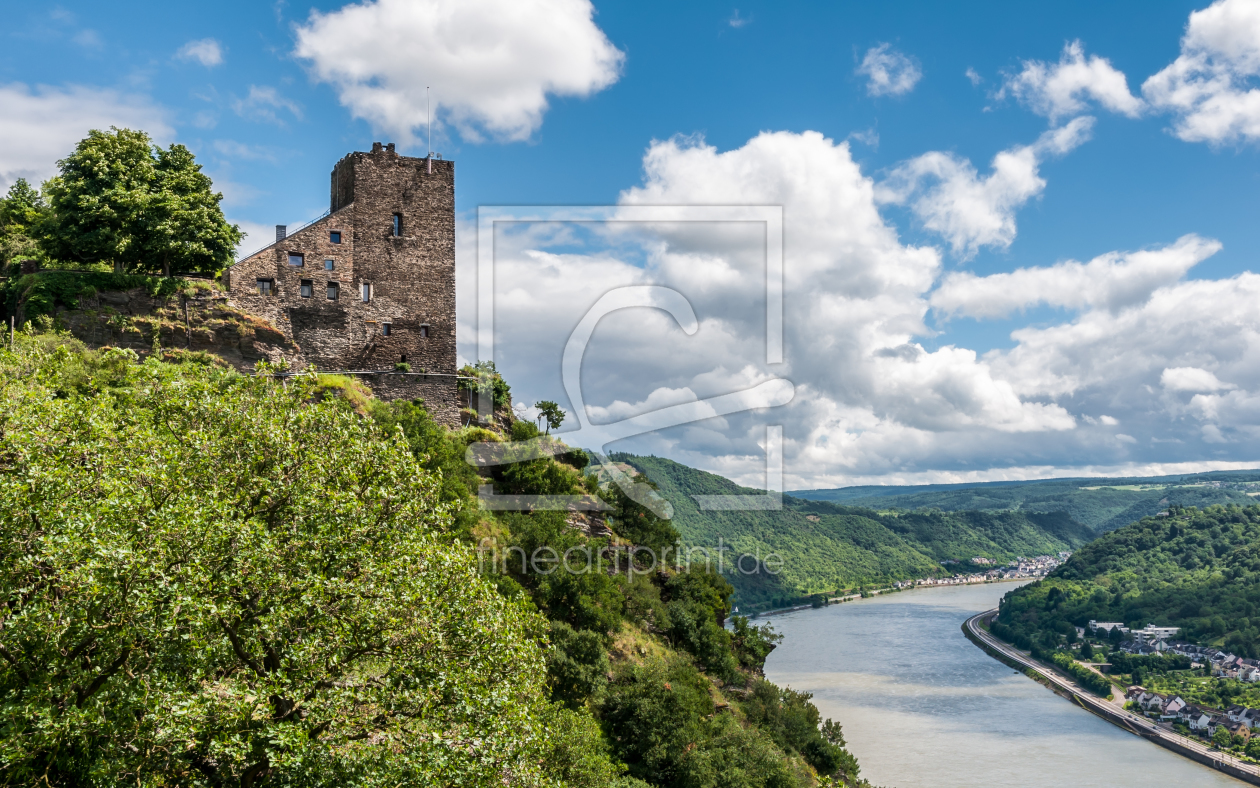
(260, 94)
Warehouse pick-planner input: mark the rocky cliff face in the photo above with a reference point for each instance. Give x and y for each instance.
(204, 321)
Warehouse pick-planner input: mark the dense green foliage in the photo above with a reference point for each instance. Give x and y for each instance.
(1102, 504)
(641, 649)
(215, 579)
(211, 579)
(1194, 569)
(120, 200)
(483, 379)
(1083, 676)
(22, 211)
(1214, 692)
(826, 546)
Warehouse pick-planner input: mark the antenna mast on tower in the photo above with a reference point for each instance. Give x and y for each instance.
(428, 121)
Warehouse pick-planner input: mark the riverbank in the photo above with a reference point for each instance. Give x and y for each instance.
(1127, 721)
(923, 707)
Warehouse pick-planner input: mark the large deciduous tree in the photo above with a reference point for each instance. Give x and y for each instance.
(119, 199)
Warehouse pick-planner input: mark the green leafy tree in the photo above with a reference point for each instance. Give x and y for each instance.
(752, 644)
(22, 211)
(551, 412)
(119, 199)
(1253, 748)
(638, 523)
(1222, 738)
(576, 665)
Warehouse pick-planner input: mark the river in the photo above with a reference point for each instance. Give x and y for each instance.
(923, 707)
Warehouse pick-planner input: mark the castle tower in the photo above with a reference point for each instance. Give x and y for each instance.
(372, 283)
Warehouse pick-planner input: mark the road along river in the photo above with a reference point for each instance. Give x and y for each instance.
(922, 706)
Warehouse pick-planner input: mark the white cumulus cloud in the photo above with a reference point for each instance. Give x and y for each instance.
(1211, 86)
(888, 72)
(205, 51)
(42, 124)
(879, 396)
(953, 200)
(1191, 379)
(1061, 89)
(491, 64)
(1110, 281)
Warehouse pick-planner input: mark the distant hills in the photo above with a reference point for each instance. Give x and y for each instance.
(1103, 504)
(828, 546)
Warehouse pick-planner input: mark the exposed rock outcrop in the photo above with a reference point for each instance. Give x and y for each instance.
(205, 321)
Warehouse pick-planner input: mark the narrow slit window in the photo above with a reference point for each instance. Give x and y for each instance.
(330, 265)
(424, 332)
(334, 236)
(264, 287)
(366, 292)
(334, 290)
(387, 329)
(397, 225)
(295, 259)
(308, 288)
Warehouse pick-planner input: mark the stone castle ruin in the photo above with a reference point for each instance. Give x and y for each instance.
(371, 284)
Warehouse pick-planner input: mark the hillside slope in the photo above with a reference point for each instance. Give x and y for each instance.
(262, 609)
(1104, 504)
(1194, 569)
(827, 546)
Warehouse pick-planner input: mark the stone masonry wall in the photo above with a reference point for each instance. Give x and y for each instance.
(437, 392)
(318, 324)
(411, 275)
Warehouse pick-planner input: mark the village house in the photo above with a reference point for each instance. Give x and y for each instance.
(1196, 719)
(1172, 709)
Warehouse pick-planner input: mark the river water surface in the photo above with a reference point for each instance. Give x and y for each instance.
(923, 707)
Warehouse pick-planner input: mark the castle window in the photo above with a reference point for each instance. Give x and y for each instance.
(329, 265)
(334, 290)
(264, 287)
(334, 236)
(308, 287)
(295, 259)
(424, 332)
(366, 292)
(397, 225)
(387, 329)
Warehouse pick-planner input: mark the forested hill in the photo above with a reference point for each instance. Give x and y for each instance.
(1194, 569)
(827, 546)
(1103, 504)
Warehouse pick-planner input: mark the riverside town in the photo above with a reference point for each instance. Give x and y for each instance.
(608, 394)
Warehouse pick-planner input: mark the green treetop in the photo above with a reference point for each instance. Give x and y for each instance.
(119, 199)
(21, 213)
(550, 411)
